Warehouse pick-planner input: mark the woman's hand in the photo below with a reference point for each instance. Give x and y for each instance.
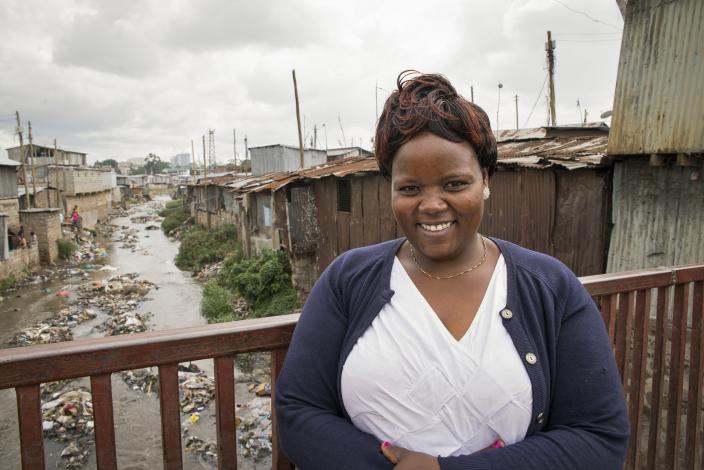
(404, 459)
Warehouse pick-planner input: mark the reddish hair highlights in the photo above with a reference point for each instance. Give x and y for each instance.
(429, 103)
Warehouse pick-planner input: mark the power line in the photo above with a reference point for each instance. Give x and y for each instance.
(540, 93)
(579, 12)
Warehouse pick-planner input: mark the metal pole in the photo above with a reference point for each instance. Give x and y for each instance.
(193, 159)
(22, 161)
(298, 118)
(551, 80)
(515, 98)
(471, 92)
(205, 181)
(31, 154)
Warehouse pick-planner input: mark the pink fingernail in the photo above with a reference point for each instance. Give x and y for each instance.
(386, 444)
(498, 444)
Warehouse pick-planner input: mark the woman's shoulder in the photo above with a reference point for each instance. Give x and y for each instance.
(367, 260)
(535, 265)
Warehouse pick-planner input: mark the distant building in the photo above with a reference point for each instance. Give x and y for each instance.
(124, 168)
(270, 158)
(347, 152)
(182, 160)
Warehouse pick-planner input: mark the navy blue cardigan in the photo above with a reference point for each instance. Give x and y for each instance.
(579, 410)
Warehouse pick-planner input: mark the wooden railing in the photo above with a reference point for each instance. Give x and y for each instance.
(654, 319)
(649, 314)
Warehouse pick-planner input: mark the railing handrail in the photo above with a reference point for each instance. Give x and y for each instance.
(81, 358)
(611, 283)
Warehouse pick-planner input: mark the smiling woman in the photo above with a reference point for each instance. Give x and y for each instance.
(447, 349)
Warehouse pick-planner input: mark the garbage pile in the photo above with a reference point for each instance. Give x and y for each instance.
(255, 429)
(142, 380)
(130, 322)
(88, 250)
(206, 450)
(208, 272)
(117, 295)
(69, 418)
(196, 390)
(42, 333)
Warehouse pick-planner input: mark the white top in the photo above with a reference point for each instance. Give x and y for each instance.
(410, 382)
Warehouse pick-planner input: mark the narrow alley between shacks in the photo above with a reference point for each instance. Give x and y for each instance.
(123, 280)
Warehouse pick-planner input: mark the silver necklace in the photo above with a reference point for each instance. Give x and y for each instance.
(432, 276)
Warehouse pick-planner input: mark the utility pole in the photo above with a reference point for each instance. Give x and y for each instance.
(298, 119)
(471, 92)
(205, 181)
(585, 116)
(211, 149)
(193, 160)
(22, 160)
(579, 111)
(376, 99)
(550, 48)
(56, 161)
(515, 98)
(315, 136)
(234, 144)
(326, 136)
(246, 152)
(31, 154)
(498, 106)
(344, 140)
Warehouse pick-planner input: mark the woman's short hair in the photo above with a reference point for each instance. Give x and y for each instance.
(429, 103)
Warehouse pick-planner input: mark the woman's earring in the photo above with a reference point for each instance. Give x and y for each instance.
(487, 192)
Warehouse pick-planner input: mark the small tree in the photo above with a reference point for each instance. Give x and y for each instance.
(153, 164)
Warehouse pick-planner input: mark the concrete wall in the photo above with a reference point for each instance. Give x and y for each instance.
(19, 261)
(46, 224)
(11, 208)
(74, 181)
(92, 207)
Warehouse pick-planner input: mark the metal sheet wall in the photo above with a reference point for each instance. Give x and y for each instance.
(658, 216)
(8, 181)
(658, 103)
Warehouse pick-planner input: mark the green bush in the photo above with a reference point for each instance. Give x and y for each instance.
(200, 246)
(9, 281)
(66, 248)
(175, 214)
(216, 304)
(264, 281)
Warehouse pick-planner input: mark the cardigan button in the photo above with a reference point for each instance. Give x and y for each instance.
(506, 314)
(531, 358)
(540, 418)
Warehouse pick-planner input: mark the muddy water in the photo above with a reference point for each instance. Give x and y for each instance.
(174, 303)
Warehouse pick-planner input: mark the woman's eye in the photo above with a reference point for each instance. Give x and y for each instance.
(407, 189)
(455, 185)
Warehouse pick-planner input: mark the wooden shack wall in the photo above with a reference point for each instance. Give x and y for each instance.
(562, 213)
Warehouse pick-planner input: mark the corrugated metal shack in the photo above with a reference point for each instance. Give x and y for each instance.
(657, 136)
(551, 193)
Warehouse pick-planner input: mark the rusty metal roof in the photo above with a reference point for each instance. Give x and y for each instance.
(520, 151)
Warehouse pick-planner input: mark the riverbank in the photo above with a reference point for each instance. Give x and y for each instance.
(135, 286)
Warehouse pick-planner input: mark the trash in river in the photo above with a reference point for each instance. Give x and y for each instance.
(107, 267)
(206, 450)
(261, 390)
(152, 227)
(130, 322)
(63, 293)
(144, 380)
(196, 390)
(69, 418)
(42, 334)
(195, 417)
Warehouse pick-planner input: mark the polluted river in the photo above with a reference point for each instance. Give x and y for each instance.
(126, 282)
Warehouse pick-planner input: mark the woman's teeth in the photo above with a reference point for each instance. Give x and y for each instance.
(436, 227)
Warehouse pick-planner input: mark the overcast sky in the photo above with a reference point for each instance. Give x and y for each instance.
(121, 79)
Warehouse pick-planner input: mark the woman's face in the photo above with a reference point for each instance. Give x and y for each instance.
(437, 196)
